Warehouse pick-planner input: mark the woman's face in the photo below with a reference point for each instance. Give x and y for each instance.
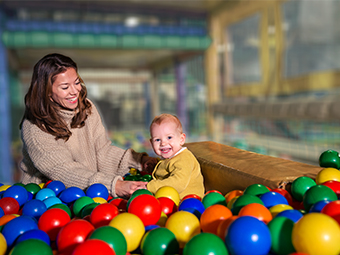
(66, 88)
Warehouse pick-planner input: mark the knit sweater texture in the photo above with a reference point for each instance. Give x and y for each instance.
(87, 157)
(182, 172)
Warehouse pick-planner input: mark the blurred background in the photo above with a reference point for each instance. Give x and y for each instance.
(260, 75)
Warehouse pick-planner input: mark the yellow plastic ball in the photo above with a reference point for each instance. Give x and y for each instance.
(274, 210)
(169, 192)
(4, 187)
(327, 174)
(231, 202)
(3, 245)
(162, 220)
(41, 185)
(316, 234)
(131, 227)
(99, 200)
(184, 225)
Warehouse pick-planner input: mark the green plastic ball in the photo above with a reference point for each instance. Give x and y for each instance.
(318, 193)
(113, 237)
(205, 243)
(281, 233)
(300, 185)
(80, 203)
(32, 247)
(88, 209)
(243, 200)
(32, 187)
(63, 207)
(256, 189)
(160, 241)
(330, 158)
(213, 198)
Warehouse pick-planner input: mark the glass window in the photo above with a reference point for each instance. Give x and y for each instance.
(311, 36)
(243, 51)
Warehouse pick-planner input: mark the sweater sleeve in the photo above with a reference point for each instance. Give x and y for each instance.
(179, 169)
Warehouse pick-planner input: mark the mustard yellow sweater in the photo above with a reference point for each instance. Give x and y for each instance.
(86, 158)
(182, 172)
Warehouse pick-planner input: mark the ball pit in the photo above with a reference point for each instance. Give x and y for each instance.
(53, 219)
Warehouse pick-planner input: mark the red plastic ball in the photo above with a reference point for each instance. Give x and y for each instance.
(284, 193)
(120, 203)
(168, 206)
(52, 221)
(102, 214)
(192, 196)
(332, 209)
(334, 185)
(147, 208)
(73, 234)
(93, 246)
(10, 205)
(213, 190)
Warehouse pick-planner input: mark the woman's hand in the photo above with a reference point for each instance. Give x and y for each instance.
(148, 163)
(125, 189)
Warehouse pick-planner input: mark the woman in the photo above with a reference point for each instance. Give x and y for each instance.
(63, 135)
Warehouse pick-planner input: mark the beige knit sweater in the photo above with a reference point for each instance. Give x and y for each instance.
(88, 156)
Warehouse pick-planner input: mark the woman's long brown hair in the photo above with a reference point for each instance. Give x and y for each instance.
(41, 110)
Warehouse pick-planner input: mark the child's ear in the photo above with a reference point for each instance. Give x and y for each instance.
(182, 139)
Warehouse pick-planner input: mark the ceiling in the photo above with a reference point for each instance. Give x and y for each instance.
(111, 58)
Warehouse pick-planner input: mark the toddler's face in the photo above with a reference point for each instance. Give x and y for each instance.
(166, 140)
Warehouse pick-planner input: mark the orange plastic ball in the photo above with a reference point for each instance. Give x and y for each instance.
(256, 210)
(234, 193)
(212, 217)
(223, 226)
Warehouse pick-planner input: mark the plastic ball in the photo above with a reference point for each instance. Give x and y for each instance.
(300, 185)
(17, 192)
(234, 193)
(32, 247)
(87, 210)
(316, 234)
(256, 189)
(93, 246)
(193, 203)
(131, 227)
(223, 226)
(256, 210)
(44, 194)
(56, 186)
(34, 208)
(9, 205)
(32, 188)
(276, 209)
(332, 209)
(205, 243)
(281, 235)
(271, 198)
(80, 203)
(7, 218)
(212, 217)
(72, 234)
(170, 192)
(147, 208)
(121, 203)
(248, 235)
(334, 185)
(317, 207)
(184, 225)
(63, 207)
(3, 244)
(243, 200)
(160, 241)
(192, 196)
(71, 194)
(113, 237)
(34, 234)
(327, 174)
(102, 214)
(16, 227)
(213, 198)
(284, 193)
(52, 221)
(329, 158)
(99, 200)
(137, 193)
(50, 201)
(4, 187)
(168, 206)
(318, 193)
(293, 215)
(97, 190)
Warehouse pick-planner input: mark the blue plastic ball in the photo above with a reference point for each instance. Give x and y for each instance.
(71, 194)
(317, 207)
(56, 186)
(34, 208)
(97, 190)
(17, 192)
(16, 227)
(50, 201)
(272, 198)
(193, 203)
(248, 235)
(34, 234)
(44, 193)
(293, 215)
(2, 213)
